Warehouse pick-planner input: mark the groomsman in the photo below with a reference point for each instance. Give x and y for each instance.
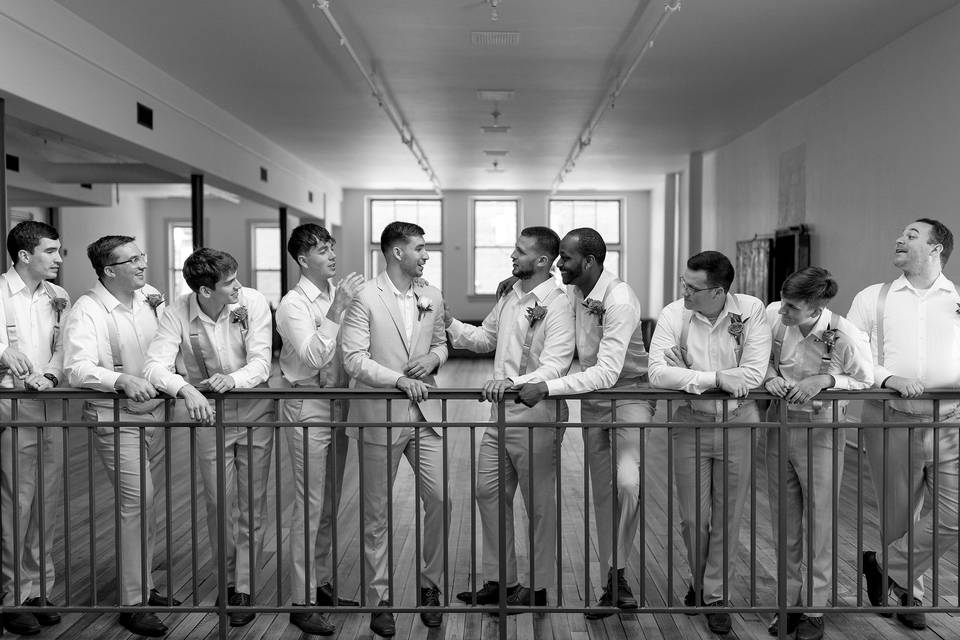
(813, 349)
(914, 329)
(532, 330)
(393, 338)
(711, 339)
(105, 346)
(222, 332)
(610, 347)
(308, 320)
(32, 311)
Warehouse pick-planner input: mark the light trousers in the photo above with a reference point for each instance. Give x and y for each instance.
(808, 497)
(246, 469)
(700, 487)
(20, 499)
(909, 478)
(598, 447)
(125, 445)
(375, 497)
(541, 505)
(317, 459)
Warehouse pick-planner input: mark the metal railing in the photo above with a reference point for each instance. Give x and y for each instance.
(86, 574)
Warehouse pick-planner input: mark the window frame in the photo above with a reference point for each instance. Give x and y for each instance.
(174, 271)
(434, 247)
(252, 226)
(471, 235)
(617, 247)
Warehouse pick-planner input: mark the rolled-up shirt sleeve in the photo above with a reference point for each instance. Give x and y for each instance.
(162, 354)
(81, 346)
(482, 339)
(315, 346)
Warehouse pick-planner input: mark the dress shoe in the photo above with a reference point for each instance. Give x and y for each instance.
(690, 600)
(240, 618)
(143, 624)
(719, 622)
(625, 599)
(45, 618)
(810, 628)
(325, 597)
(912, 619)
(430, 597)
(381, 622)
(314, 622)
(20, 622)
(874, 577)
(524, 597)
(793, 619)
(489, 594)
(157, 600)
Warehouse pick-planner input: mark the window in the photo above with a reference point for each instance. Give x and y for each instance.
(427, 214)
(180, 245)
(494, 236)
(602, 215)
(267, 254)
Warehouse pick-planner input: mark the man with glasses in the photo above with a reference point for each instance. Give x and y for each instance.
(914, 329)
(711, 339)
(105, 344)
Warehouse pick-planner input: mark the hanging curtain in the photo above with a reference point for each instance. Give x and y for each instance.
(753, 267)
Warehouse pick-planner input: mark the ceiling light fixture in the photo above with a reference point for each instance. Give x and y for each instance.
(496, 127)
(496, 167)
(610, 97)
(383, 100)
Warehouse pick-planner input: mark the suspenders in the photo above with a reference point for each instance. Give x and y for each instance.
(776, 351)
(685, 334)
(528, 340)
(11, 315)
(881, 307)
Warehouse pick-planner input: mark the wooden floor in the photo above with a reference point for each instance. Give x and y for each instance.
(462, 373)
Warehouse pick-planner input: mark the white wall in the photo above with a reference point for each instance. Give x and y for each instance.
(882, 148)
(642, 241)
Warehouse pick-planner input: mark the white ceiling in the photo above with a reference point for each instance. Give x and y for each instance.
(718, 69)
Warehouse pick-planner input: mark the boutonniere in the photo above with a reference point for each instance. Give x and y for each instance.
(155, 300)
(958, 308)
(536, 313)
(424, 306)
(58, 304)
(736, 326)
(239, 316)
(594, 308)
(829, 338)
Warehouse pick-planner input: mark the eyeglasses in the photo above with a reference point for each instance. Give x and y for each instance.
(688, 288)
(137, 261)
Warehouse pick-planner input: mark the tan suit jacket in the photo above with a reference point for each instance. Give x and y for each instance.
(375, 350)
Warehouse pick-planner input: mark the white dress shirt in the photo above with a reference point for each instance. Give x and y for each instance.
(800, 356)
(407, 302)
(710, 348)
(310, 353)
(88, 361)
(610, 349)
(921, 337)
(243, 354)
(505, 329)
(34, 325)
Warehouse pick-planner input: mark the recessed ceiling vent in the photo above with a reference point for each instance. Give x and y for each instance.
(495, 39)
(495, 153)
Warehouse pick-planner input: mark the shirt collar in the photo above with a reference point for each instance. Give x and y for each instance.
(600, 287)
(940, 283)
(540, 291)
(408, 293)
(14, 281)
(109, 301)
(312, 291)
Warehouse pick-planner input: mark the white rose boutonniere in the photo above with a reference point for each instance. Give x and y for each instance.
(424, 306)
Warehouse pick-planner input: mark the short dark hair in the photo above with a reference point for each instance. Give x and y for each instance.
(717, 266)
(545, 239)
(591, 243)
(26, 236)
(396, 232)
(940, 234)
(811, 285)
(306, 237)
(100, 251)
(206, 267)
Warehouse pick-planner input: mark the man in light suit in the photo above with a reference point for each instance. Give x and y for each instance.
(393, 337)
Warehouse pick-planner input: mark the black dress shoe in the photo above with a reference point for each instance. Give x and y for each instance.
(325, 597)
(810, 628)
(240, 618)
(690, 600)
(381, 622)
(911, 619)
(143, 624)
(719, 622)
(157, 600)
(20, 622)
(430, 597)
(793, 619)
(45, 618)
(489, 594)
(315, 623)
(524, 597)
(874, 577)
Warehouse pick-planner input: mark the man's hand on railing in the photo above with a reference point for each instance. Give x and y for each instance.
(198, 407)
(37, 382)
(732, 382)
(493, 390)
(219, 383)
(777, 386)
(906, 387)
(18, 363)
(530, 393)
(808, 388)
(416, 390)
(135, 388)
(421, 366)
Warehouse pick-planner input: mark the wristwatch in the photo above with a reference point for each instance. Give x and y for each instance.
(52, 378)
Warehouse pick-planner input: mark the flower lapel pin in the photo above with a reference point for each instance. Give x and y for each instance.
(59, 305)
(424, 306)
(240, 316)
(595, 308)
(736, 327)
(536, 313)
(155, 300)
